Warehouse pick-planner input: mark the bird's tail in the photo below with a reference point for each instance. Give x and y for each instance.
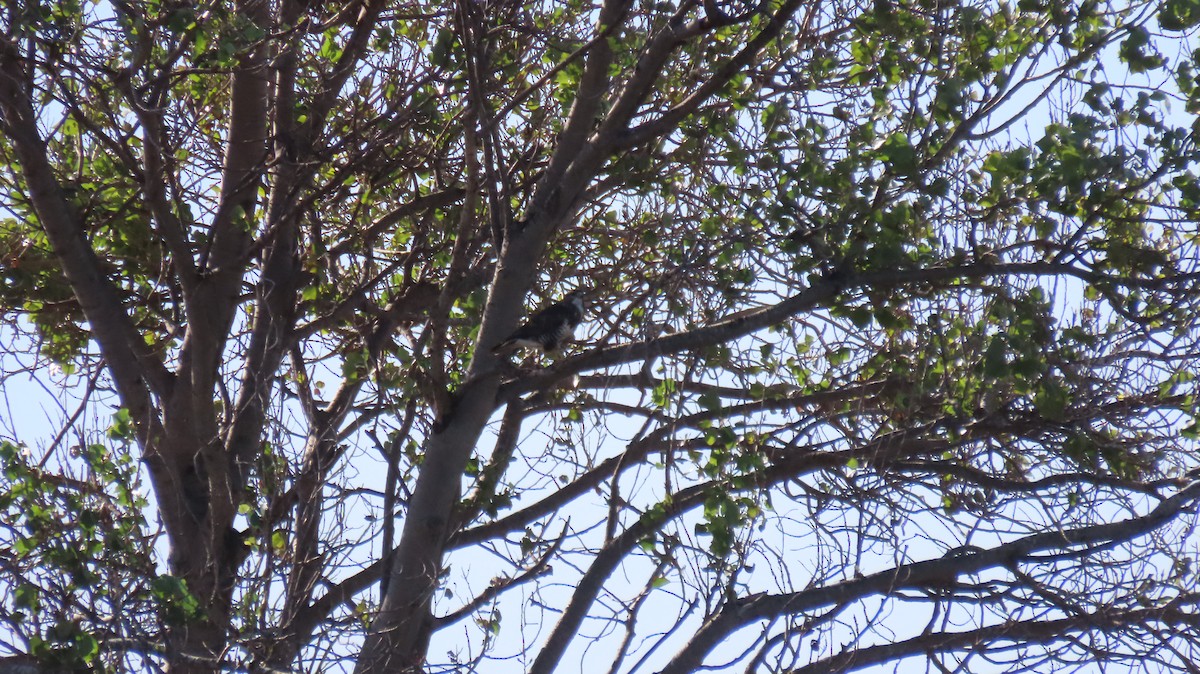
(504, 348)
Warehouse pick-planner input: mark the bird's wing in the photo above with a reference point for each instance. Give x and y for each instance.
(541, 323)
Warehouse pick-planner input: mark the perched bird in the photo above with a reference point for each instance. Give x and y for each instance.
(548, 328)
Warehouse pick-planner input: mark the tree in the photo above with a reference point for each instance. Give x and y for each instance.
(890, 347)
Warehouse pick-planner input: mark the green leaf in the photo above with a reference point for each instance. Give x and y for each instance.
(1179, 15)
(440, 54)
(995, 360)
(26, 596)
(1138, 53)
(710, 401)
(661, 396)
(899, 154)
(330, 50)
(122, 426)
(1052, 400)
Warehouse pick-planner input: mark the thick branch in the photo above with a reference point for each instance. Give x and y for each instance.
(721, 77)
(154, 185)
(637, 452)
(275, 293)
(136, 370)
(1025, 631)
(368, 235)
(591, 584)
(717, 333)
(156, 153)
(271, 333)
(224, 262)
(549, 198)
(603, 564)
(821, 292)
(352, 53)
(939, 572)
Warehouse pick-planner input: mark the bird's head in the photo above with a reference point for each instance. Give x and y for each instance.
(575, 297)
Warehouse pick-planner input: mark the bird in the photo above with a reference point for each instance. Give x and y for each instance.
(549, 328)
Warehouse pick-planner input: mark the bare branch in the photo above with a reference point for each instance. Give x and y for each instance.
(821, 292)
(721, 77)
(934, 572)
(137, 371)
